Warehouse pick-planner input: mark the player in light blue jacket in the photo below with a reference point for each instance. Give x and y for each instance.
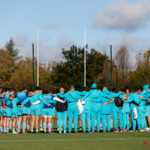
(107, 107)
(48, 112)
(142, 107)
(73, 109)
(147, 114)
(15, 113)
(7, 111)
(1, 112)
(134, 106)
(125, 111)
(96, 106)
(22, 112)
(72, 98)
(36, 101)
(85, 115)
(117, 112)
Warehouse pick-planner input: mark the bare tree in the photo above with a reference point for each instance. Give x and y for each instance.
(122, 61)
(139, 59)
(143, 59)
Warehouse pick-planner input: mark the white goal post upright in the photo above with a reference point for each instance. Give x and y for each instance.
(38, 57)
(85, 57)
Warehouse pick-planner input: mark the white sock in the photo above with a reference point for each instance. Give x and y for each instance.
(28, 126)
(95, 122)
(111, 123)
(41, 125)
(49, 127)
(10, 124)
(72, 125)
(14, 130)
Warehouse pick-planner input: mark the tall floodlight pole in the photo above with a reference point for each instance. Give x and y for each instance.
(111, 85)
(84, 57)
(37, 57)
(33, 66)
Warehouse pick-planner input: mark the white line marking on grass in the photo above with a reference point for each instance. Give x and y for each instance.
(66, 140)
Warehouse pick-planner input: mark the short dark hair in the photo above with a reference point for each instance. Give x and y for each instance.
(84, 88)
(132, 90)
(37, 88)
(114, 90)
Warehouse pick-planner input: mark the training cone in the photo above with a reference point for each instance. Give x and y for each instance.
(145, 143)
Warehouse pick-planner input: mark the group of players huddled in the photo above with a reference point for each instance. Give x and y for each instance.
(94, 110)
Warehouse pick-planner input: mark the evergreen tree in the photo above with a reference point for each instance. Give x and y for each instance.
(10, 48)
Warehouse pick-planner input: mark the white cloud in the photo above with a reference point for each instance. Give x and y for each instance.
(48, 52)
(124, 15)
(21, 39)
(134, 44)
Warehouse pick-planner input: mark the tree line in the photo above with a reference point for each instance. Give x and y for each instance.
(16, 71)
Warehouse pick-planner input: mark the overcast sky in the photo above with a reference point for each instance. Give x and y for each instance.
(61, 24)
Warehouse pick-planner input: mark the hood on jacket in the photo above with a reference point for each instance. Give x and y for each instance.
(106, 91)
(94, 86)
(95, 93)
(146, 87)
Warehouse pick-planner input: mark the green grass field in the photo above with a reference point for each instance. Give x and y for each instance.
(87, 141)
